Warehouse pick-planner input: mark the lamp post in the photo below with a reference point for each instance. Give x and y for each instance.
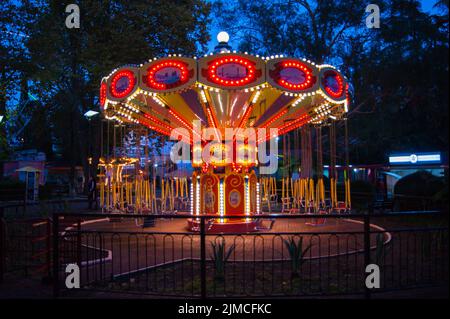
(223, 46)
(89, 115)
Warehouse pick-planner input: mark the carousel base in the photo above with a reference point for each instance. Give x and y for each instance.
(244, 225)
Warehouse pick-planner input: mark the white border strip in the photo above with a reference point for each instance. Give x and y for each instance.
(94, 261)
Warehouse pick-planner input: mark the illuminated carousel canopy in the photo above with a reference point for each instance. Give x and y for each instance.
(225, 90)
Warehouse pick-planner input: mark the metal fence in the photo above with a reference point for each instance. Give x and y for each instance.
(26, 235)
(301, 255)
(26, 247)
(26, 210)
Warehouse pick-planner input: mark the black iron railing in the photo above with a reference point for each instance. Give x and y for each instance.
(116, 255)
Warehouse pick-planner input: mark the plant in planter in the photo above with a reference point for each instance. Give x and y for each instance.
(220, 257)
(297, 254)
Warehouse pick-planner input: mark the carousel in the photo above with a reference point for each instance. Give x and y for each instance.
(228, 111)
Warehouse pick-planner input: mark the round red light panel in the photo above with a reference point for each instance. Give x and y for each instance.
(333, 83)
(293, 75)
(167, 74)
(232, 71)
(122, 83)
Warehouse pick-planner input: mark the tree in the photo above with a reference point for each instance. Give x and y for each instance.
(68, 64)
(11, 66)
(400, 80)
(296, 27)
(398, 73)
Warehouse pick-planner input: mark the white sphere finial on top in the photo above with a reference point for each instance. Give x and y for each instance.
(222, 36)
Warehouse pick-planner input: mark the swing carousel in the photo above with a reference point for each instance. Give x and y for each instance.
(196, 101)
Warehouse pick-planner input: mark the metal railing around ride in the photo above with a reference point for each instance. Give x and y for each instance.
(410, 248)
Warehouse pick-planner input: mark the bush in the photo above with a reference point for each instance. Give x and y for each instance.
(45, 191)
(364, 188)
(416, 191)
(11, 189)
(362, 193)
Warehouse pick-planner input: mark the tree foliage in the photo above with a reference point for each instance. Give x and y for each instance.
(398, 73)
(65, 66)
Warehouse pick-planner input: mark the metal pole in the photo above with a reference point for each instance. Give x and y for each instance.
(49, 249)
(55, 256)
(25, 200)
(89, 149)
(2, 244)
(79, 243)
(203, 257)
(367, 246)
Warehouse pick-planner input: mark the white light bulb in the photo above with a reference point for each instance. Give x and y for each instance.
(223, 36)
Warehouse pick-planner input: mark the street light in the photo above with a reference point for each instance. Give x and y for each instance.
(223, 37)
(1, 118)
(223, 46)
(90, 114)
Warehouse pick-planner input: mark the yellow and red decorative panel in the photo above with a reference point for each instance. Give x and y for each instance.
(209, 194)
(234, 195)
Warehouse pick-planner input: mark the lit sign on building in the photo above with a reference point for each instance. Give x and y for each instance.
(419, 158)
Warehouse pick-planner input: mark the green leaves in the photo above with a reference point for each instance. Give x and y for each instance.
(296, 253)
(220, 256)
(64, 66)
(398, 74)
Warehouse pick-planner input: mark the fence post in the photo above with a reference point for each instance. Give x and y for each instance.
(2, 245)
(55, 255)
(49, 247)
(202, 257)
(79, 243)
(367, 246)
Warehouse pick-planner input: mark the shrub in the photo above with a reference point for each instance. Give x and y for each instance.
(45, 191)
(220, 257)
(416, 191)
(362, 193)
(11, 189)
(297, 254)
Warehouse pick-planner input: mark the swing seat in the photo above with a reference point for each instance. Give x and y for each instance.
(317, 221)
(286, 203)
(265, 201)
(341, 208)
(160, 205)
(310, 208)
(273, 199)
(185, 202)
